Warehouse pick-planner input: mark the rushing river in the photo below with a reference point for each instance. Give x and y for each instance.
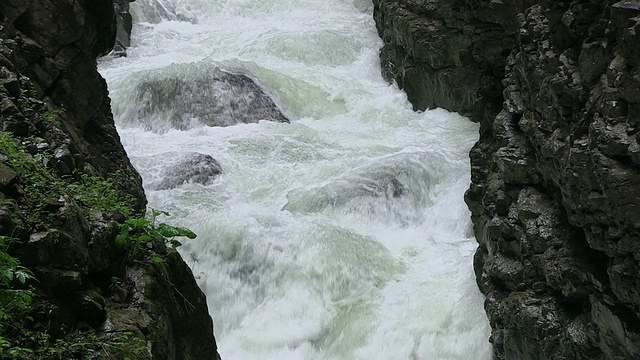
(342, 235)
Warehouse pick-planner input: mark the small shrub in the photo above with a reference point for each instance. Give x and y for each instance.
(139, 235)
(101, 195)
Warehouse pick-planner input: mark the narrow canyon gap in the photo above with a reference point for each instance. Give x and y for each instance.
(335, 230)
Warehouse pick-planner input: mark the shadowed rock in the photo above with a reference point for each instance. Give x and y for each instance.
(55, 105)
(124, 24)
(386, 188)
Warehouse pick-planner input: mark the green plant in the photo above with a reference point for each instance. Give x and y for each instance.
(10, 268)
(126, 346)
(100, 194)
(15, 295)
(27, 100)
(40, 184)
(77, 345)
(139, 235)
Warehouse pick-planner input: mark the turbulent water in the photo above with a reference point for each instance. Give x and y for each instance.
(342, 235)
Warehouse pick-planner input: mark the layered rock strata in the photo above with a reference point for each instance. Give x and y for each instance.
(58, 143)
(554, 197)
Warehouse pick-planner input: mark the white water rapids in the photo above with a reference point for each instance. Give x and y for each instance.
(303, 251)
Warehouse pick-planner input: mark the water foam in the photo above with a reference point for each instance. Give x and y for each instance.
(365, 274)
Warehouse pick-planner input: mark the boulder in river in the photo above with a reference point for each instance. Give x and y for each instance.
(190, 168)
(183, 96)
(391, 187)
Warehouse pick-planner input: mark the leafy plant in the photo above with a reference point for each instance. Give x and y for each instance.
(42, 185)
(76, 345)
(27, 100)
(15, 296)
(126, 346)
(100, 194)
(138, 235)
(10, 268)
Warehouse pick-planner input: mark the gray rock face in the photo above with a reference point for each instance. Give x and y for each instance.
(190, 168)
(448, 54)
(554, 194)
(186, 95)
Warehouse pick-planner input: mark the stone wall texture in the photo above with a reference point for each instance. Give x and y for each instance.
(555, 192)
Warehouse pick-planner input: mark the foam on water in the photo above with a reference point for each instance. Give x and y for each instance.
(352, 268)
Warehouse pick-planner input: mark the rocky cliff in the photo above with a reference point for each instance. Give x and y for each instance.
(83, 274)
(554, 197)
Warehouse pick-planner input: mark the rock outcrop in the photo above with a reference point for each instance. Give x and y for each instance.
(554, 194)
(124, 26)
(66, 189)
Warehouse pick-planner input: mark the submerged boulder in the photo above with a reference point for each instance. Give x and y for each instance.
(189, 168)
(183, 96)
(389, 188)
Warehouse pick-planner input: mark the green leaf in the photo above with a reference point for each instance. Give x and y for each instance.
(157, 259)
(23, 276)
(121, 239)
(173, 231)
(156, 213)
(175, 243)
(143, 238)
(8, 274)
(137, 223)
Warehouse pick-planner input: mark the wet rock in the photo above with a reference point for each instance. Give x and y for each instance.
(187, 95)
(386, 188)
(90, 307)
(69, 252)
(193, 168)
(429, 45)
(7, 176)
(155, 11)
(54, 102)
(553, 193)
(174, 311)
(101, 247)
(343, 191)
(124, 23)
(63, 282)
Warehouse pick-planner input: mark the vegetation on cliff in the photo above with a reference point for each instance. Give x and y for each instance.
(32, 198)
(83, 273)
